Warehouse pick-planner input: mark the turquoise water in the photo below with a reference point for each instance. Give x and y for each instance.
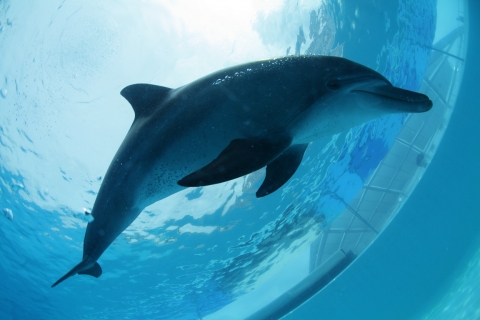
(64, 63)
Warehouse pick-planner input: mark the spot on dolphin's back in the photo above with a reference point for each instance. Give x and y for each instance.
(144, 98)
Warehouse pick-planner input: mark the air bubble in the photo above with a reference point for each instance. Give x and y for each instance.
(4, 93)
(86, 216)
(16, 186)
(8, 214)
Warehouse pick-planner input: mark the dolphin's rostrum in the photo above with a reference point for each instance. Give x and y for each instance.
(229, 124)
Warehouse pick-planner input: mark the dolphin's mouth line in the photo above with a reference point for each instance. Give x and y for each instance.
(392, 97)
(400, 99)
(387, 90)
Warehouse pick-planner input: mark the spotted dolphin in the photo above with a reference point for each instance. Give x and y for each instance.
(228, 124)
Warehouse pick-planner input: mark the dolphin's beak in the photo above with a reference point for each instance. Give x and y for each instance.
(400, 99)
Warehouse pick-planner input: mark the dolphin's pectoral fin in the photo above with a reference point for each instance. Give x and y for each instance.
(94, 271)
(144, 98)
(280, 170)
(241, 157)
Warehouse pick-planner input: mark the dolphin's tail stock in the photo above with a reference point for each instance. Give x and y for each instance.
(84, 267)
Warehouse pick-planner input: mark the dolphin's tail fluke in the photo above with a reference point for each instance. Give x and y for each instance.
(82, 268)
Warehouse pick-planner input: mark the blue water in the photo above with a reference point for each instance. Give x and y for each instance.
(426, 265)
(63, 64)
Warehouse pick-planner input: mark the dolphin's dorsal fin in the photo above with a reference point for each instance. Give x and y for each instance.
(144, 98)
(280, 170)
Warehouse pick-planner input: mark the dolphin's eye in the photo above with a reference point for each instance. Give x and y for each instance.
(333, 84)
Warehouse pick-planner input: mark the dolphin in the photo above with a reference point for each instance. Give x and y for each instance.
(229, 124)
